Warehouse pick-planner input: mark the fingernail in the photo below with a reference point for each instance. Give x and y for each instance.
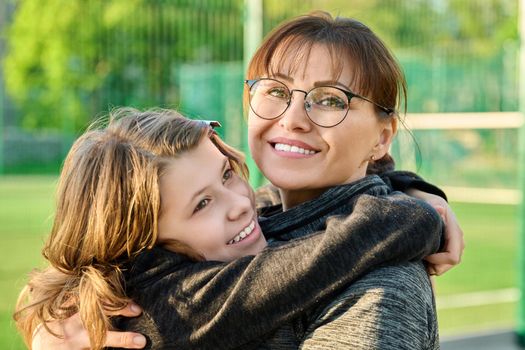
(139, 340)
(135, 307)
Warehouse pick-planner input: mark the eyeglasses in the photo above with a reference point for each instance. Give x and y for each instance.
(326, 106)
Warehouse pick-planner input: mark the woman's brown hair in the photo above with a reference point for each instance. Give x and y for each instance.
(376, 73)
(107, 210)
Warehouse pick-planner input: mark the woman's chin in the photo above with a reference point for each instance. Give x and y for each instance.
(288, 184)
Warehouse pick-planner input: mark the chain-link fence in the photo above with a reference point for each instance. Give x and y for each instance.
(70, 61)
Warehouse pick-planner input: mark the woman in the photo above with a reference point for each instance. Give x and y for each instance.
(323, 96)
(335, 93)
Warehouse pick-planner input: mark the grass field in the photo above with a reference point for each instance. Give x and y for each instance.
(489, 262)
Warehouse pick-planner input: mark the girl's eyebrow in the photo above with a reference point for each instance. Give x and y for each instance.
(225, 164)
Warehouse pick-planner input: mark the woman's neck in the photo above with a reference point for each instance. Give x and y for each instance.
(292, 198)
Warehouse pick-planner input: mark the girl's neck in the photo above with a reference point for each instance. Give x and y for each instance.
(292, 198)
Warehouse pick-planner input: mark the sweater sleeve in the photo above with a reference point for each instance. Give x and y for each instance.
(390, 308)
(228, 305)
(405, 180)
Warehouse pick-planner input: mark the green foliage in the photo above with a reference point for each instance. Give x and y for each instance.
(41, 70)
(69, 60)
(479, 26)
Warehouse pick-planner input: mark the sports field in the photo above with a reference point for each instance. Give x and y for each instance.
(489, 263)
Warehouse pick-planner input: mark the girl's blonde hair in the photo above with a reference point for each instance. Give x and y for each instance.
(107, 211)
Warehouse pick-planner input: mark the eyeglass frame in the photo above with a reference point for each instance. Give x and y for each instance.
(349, 94)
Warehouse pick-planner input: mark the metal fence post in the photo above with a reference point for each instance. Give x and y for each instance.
(520, 330)
(2, 133)
(253, 28)
(3, 21)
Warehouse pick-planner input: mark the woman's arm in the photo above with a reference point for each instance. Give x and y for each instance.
(73, 335)
(228, 305)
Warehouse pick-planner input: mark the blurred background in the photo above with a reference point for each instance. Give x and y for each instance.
(65, 62)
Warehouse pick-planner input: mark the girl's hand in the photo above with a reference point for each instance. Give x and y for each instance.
(443, 261)
(74, 336)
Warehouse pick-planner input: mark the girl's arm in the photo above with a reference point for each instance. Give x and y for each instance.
(219, 305)
(413, 185)
(405, 181)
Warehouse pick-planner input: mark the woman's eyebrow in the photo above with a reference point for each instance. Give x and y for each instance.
(283, 76)
(316, 84)
(330, 83)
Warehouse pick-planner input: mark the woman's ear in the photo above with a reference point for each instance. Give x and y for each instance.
(386, 137)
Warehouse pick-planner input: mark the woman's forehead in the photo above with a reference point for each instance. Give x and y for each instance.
(295, 60)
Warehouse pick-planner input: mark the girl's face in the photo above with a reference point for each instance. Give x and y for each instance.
(337, 155)
(208, 207)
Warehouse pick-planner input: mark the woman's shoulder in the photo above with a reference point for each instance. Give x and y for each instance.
(267, 196)
(408, 277)
(402, 285)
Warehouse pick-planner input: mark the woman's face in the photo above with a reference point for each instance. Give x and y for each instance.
(337, 155)
(208, 207)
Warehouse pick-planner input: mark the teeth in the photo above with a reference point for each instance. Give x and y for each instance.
(244, 233)
(294, 149)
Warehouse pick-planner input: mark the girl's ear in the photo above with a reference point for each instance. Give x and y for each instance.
(386, 137)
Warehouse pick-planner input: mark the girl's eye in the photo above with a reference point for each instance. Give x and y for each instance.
(201, 205)
(228, 174)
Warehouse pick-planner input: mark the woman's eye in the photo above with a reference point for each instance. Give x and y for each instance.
(277, 92)
(201, 205)
(332, 102)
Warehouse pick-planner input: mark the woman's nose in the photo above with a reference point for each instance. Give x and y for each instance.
(295, 117)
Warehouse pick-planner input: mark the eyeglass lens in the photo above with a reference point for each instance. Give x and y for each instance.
(325, 106)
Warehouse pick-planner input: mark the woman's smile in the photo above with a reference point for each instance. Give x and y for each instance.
(292, 148)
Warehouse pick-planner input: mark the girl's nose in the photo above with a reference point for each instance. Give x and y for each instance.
(240, 205)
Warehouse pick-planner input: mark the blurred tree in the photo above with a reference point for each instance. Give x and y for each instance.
(421, 24)
(69, 60)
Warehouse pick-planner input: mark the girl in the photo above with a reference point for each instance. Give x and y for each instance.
(155, 183)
